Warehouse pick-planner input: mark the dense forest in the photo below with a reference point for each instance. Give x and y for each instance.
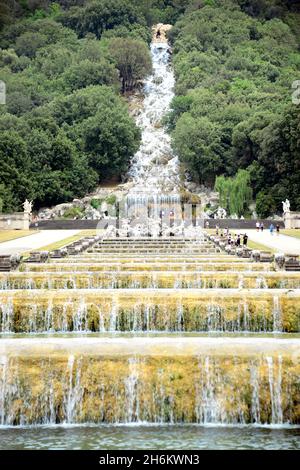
(69, 65)
(66, 65)
(235, 63)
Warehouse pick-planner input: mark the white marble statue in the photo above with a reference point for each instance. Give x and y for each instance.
(27, 205)
(221, 213)
(286, 206)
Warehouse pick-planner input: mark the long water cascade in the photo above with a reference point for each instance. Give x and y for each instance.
(150, 331)
(154, 170)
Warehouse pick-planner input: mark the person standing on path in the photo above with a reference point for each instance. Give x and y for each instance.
(277, 229)
(257, 226)
(271, 228)
(261, 227)
(172, 216)
(245, 240)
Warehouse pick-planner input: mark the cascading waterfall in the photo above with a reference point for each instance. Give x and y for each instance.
(79, 389)
(49, 316)
(80, 318)
(275, 379)
(209, 408)
(6, 314)
(154, 169)
(165, 278)
(3, 365)
(144, 310)
(277, 315)
(131, 392)
(74, 394)
(113, 317)
(255, 401)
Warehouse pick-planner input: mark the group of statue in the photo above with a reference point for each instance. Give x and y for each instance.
(221, 213)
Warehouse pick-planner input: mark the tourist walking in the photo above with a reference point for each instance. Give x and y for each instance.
(261, 227)
(217, 229)
(271, 228)
(238, 241)
(257, 226)
(245, 239)
(277, 229)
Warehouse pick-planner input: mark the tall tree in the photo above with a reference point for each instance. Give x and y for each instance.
(132, 59)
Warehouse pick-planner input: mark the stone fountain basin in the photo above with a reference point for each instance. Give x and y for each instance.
(164, 347)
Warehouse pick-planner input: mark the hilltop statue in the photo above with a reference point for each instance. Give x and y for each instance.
(27, 205)
(286, 206)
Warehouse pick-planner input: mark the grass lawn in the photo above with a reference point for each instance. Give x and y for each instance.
(291, 233)
(68, 240)
(7, 235)
(258, 246)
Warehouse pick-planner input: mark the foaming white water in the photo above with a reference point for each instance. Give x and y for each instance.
(154, 168)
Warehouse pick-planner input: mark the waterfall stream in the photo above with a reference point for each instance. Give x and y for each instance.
(77, 389)
(154, 169)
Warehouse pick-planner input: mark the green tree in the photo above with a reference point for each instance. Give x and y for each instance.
(98, 120)
(132, 59)
(14, 170)
(87, 73)
(235, 193)
(97, 16)
(198, 144)
(235, 69)
(2, 190)
(28, 43)
(265, 205)
(110, 138)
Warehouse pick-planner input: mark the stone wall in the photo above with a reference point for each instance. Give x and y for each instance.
(70, 224)
(245, 224)
(292, 220)
(101, 224)
(16, 221)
